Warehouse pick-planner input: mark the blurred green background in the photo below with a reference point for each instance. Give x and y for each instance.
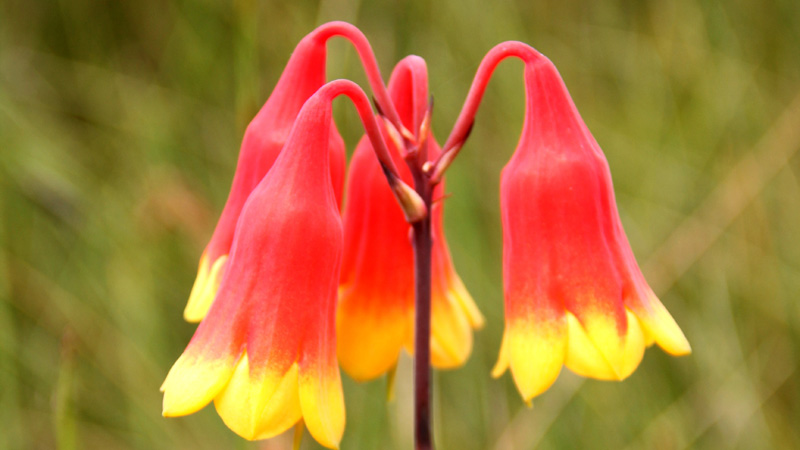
(120, 124)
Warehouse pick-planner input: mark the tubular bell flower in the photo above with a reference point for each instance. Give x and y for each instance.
(266, 352)
(375, 317)
(574, 294)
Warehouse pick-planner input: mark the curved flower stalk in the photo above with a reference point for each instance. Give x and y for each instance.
(574, 294)
(266, 352)
(264, 139)
(375, 318)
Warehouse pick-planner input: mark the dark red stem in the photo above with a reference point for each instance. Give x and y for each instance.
(423, 434)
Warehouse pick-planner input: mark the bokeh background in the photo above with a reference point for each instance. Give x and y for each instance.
(120, 124)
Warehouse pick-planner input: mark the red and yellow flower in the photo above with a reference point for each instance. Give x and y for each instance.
(266, 351)
(263, 140)
(574, 294)
(375, 318)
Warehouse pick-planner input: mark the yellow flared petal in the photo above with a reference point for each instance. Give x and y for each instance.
(193, 382)
(649, 339)
(659, 326)
(453, 316)
(451, 334)
(604, 354)
(204, 289)
(283, 410)
(322, 403)
(259, 405)
(368, 344)
(503, 360)
(535, 352)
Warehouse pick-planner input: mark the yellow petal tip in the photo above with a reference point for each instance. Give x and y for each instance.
(502, 359)
(536, 354)
(322, 403)
(659, 326)
(204, 289)
(193, 382)
(499, 369)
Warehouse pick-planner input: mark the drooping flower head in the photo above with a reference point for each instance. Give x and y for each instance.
(266, 352)
(263, 140)
(375, 318)
(574, 294)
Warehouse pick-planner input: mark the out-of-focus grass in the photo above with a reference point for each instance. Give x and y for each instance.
(119, 129)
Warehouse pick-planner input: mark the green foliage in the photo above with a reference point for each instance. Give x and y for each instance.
(120, 124)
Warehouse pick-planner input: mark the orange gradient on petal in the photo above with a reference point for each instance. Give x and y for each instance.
(369, 339)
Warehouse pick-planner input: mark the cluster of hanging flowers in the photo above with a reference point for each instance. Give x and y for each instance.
(292, 284)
